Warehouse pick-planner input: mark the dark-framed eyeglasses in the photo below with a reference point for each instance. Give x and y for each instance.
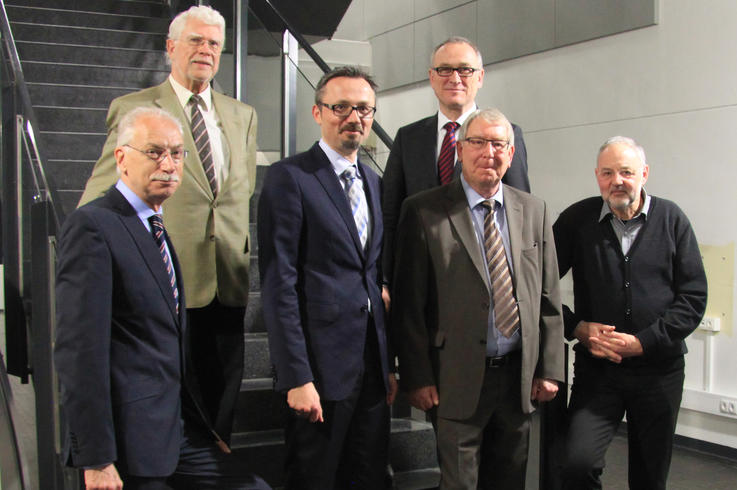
(344, 110)
(481, 143)
(463, 71)
(159, 154)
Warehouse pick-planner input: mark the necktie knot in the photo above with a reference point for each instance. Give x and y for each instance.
(156, 222)
(451, 126)
(195, 100)
(488, 205)
(349, 174)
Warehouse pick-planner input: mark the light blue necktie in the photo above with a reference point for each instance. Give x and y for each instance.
(357, 201)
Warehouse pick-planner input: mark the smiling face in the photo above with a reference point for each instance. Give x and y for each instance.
(484, 168)
(621, 173)
(456, 94)
(344, 134)
(195, 56)
(152, 181)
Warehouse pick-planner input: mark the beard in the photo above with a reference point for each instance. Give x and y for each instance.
(620, 203)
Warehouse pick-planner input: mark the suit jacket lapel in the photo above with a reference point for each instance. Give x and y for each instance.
(373, 200)
(231, 125)
(426, 156)
(460, 219)
(514, 226)
(146, 247)
(192, 165)
(326, 175)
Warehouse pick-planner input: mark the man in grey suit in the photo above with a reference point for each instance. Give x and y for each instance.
(415, 162)
(476, 314)
(207, 219)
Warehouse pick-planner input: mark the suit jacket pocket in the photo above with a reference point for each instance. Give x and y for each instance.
(137, 388)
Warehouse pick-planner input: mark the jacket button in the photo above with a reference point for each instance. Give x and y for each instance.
(627, 284)
(212, 238)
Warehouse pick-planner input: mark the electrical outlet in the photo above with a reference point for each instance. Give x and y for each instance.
(732, 408)
(710, 324)
(724, 406)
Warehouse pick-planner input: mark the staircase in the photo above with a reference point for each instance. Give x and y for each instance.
(78, 55)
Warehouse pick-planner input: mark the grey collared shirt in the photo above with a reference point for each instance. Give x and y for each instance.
(626, 231)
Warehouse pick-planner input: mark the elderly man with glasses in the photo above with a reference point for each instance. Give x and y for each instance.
(476, 315)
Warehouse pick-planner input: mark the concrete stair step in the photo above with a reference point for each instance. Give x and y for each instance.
(263, 453)
(88, 36)
(103, 20)
(257, 361)
(74, 146)
(48, 94)
(254, 315)
(120, 7)
(70, 174)
(42, 72)
(91, 55)
(259, 407)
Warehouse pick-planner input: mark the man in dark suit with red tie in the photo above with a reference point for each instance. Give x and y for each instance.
(423, 153)
(133, 414)
(319, 233)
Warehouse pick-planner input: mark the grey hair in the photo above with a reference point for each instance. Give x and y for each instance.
(203, 13)
(458, 40)
(491, 115)
(624, 140)
(127, 125)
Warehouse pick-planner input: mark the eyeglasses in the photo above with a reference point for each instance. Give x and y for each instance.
(159, 154)
(344, 110)
(197, 41)
(481, 143)
(463, 71)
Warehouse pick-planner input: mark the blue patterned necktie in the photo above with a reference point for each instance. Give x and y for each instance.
(357, 201)
(157, 228)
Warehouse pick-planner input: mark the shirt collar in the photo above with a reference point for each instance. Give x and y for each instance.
(184, 94)
(442, 119)
(605, 211)
(142, 209)
(474, 198)
(338, 161)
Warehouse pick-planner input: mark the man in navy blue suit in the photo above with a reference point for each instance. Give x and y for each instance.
(133, 415)
(320, 233)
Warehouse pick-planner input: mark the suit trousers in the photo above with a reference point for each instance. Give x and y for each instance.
(201, 466)
(350, 449)
(488, 450)
(602, 393)
(217, 348)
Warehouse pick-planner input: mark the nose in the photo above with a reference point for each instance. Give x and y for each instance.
(455, 77)
(353, 115)
(167, 164)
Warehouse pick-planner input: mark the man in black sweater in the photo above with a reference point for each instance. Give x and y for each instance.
(640, 289)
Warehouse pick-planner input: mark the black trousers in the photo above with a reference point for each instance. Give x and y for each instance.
(349, 450)
(602, 393)
(217, 346)
(201, 466)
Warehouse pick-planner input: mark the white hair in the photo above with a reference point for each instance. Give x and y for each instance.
(203, 13)
(127, 125)
(624, 140)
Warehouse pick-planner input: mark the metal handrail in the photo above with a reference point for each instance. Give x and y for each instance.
(43, 186)
(304, 44)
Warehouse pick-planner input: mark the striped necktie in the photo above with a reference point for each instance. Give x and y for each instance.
(446, 158)
(202, 142)
(357, 201)
(157, 229)
(506, 313)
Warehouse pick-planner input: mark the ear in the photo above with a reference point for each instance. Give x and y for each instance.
(170, 47)
(481, 77)
(645, 173)
(316, 114)
(120, 159)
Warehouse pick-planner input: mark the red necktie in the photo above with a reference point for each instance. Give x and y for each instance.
(446, 159)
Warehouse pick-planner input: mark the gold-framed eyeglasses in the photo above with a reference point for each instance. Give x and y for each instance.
(481, 143)
(344, 110)
(159, 154)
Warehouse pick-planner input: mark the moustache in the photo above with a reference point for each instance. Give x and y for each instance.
(165, 177)
(353, 126)
(198, 60)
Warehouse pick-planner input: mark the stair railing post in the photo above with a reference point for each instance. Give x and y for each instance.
(290, 60)
(240, 47)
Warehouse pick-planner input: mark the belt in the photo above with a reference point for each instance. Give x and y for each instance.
(501, 361)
